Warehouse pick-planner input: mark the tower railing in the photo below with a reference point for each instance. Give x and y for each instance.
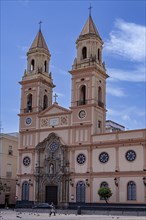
(100, 104)
(81, 102)
(27, 110)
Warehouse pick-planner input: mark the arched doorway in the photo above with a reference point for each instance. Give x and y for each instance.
(25, 191)
(80, 192)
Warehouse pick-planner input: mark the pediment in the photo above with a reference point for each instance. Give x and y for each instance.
(55, 109)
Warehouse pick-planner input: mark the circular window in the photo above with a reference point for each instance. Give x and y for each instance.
(82, 114)
(28, 120)
(26, 161)
(53, 146)
(130, 155)
(81, 158)
(103, 157)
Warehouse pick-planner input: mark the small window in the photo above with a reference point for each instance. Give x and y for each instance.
(99, 127)
(29, 102)
(32, 65)
(8, 174)
(45, 102)
(100, 102)
(82, 100)
(84, 52)
(45, 66)
(99, 124)
(10, 151)
(98, 55)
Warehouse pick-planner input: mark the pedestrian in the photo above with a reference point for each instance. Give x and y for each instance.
(52, 210)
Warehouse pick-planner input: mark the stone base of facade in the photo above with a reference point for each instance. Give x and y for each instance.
(24, 204)
(108, 207)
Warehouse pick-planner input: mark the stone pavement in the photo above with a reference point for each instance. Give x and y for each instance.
(40, 215)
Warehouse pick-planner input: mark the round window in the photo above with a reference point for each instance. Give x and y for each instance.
(82, 114)
(26, 161)
(81, 158)
(53, 146)
(130, 155)
(28, 120)
(103, 157)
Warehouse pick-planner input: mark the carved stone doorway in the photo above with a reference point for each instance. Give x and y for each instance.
(51, 194)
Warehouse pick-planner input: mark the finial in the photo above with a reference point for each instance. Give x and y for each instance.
(90, 10)
(40, 25)
(55, 96)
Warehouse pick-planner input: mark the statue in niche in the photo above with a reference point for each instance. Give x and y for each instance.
(51, 169)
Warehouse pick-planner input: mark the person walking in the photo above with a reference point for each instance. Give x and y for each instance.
(52, 210)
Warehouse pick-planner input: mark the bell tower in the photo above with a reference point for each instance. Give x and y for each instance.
(89, 80)
(37, 83)
(36, 96)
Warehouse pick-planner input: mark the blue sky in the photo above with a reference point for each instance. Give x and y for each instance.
(121, 25)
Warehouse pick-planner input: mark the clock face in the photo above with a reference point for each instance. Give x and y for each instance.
(26, 161)
(53, 146)
(81, 158)
(28, 120)
(82, 114)
(130, 155)
(103, 157)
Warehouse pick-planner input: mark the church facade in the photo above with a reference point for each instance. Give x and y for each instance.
(66, 155)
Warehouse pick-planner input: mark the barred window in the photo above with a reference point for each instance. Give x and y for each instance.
(131, 191)
(80, 191)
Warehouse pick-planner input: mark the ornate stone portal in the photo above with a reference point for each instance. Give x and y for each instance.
(52, 171)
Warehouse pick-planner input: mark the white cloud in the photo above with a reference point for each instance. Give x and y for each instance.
(126, 113)
(136, 75)
(128, 40)
(118, 92)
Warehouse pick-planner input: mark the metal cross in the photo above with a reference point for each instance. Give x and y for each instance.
(90, 10)
(55, 96)
(40, 25)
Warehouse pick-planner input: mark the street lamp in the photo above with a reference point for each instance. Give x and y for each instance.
(17, 182)
(116, 181)
(2, 187)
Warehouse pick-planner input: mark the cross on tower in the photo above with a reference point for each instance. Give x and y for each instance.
(55, 96)
(90, 10)
(40, 25)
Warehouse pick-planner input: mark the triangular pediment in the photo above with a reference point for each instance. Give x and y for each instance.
(54, 109)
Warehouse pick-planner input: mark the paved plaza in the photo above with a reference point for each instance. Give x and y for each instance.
(44, 215)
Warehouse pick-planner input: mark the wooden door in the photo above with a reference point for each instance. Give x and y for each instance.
(51, 194)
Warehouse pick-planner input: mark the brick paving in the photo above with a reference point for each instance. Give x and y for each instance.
(44, 215)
